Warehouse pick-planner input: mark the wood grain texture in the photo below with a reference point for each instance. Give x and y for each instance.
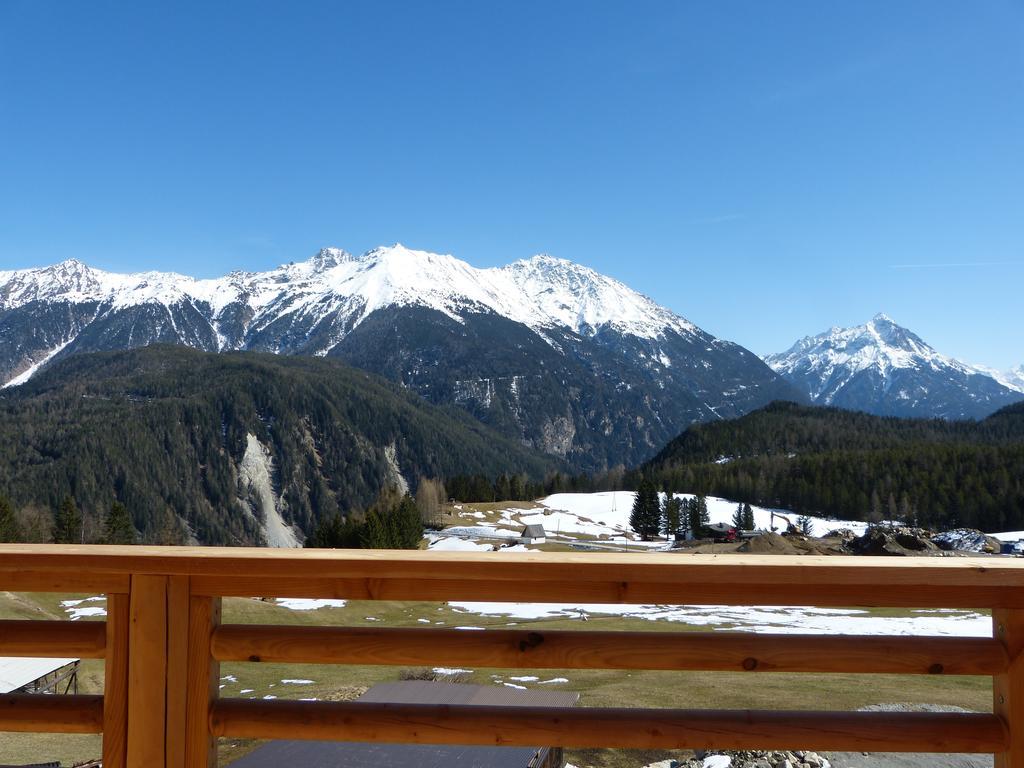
(147, 672)
(525, 649)
(177, 669)
(32, 579)
(115, 683)
(203, 679)
(54, 639)
(1008, 688)
(473, 588)
(33, 713)
(745, 571)
(623, 728)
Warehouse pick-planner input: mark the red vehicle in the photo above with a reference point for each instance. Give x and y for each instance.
(722, 533)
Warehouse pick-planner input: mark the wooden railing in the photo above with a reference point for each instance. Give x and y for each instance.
(163, 641)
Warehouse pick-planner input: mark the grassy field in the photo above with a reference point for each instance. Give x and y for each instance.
(596, 687)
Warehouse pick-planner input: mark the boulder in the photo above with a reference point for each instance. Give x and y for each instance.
(967, 540)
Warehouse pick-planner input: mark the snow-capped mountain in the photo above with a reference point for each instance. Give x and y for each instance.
(882, 368)
(1012, 379)
(564, 358)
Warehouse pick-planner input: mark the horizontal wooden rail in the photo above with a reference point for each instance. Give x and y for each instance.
(162, 645)
(35, 713)
(593, 727)
(630, 592)
(536, 576)
(711, 651)
(44, 580)
(54, 639)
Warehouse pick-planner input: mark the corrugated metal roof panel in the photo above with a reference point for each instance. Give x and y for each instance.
(16, 672)
(326, 754)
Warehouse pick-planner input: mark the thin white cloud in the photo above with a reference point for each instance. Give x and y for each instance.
(939, 265)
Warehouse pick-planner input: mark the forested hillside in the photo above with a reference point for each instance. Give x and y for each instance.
(209, 447)
(853, 465)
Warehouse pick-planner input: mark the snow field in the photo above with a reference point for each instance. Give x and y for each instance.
(764, 619)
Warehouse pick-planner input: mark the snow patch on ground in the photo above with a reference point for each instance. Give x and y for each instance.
(777, 619)
(75, 610)
(306, 604)
(453, 544)
(607, 513)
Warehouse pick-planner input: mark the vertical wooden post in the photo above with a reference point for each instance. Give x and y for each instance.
(177, 668)
(1008, 689)
(147, 672)
(115, 684)
(203, 682)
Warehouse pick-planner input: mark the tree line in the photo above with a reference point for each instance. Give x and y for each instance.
(66, 526)
(668, 514)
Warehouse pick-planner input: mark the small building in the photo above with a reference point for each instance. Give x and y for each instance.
(331, 754)
(533, 534)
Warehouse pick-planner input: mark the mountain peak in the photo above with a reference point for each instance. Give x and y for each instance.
(328, 258)
(884, 368)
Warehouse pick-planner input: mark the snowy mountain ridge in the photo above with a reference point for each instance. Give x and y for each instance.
(541, 292)
(882, 367)
(546, 351)
(1012, 379)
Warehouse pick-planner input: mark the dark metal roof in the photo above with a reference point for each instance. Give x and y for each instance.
(429, 692)
(330, 754)
(534, 531)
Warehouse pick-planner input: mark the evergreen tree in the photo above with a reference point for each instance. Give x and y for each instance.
(407, 525)
(645, 517)
(672, 516)
(335, 532)
(748, 517)
(117, 527)
(699, 517)
(805, 525)
(737, 518)
(68, 525)
(9, 529)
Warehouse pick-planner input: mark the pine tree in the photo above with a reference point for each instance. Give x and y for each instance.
(645, 517)
(699, 517)
(9, 528)
(748, 517)
(737, 518)
(805, 525)
(408, 525)
(373, 534)
(68, 525)
(117, 527)
(671, 515)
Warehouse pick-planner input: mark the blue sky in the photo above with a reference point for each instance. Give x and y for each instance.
(765, 169)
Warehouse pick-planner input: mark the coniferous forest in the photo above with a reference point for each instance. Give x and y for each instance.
(162, 432)
(831, 462)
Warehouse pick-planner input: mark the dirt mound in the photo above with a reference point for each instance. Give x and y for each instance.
(768, 544)
(893, 540)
